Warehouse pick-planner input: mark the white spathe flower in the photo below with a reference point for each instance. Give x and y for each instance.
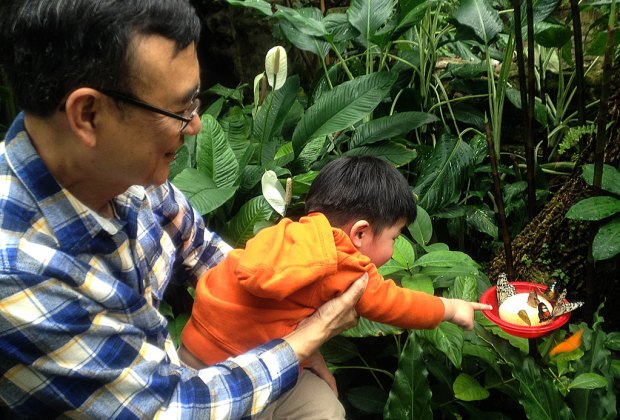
(273, 192)
(275, 67)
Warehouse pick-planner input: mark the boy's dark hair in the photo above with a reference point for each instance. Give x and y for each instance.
(361, 187)
(52, 47)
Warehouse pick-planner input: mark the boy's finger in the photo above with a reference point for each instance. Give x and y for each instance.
(481, 306)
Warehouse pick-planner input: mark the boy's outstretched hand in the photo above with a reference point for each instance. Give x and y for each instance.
(461, 312)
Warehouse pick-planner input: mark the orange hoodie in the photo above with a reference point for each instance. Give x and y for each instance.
(282, 276)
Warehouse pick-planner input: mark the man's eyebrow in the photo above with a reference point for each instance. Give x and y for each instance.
(190, 95)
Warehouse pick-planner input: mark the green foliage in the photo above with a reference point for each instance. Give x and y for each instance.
(605, 209)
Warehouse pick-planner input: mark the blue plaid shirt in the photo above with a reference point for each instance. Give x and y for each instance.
(80, 333)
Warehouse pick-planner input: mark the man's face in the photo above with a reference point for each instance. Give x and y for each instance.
(138, 146)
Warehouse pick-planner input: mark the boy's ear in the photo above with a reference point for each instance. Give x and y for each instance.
(359, 233)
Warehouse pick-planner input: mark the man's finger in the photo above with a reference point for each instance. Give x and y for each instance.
(355, 291)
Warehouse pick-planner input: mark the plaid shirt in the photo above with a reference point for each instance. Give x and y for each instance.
(80, 333)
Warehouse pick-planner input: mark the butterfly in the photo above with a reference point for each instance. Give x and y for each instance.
(532, 299)
(553, 291)
(562, 306)
(571, 343)
(504, 289)
(523, 315)
(543, 312)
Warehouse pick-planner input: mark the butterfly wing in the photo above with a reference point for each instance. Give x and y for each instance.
(532, 299)
(543, 312)
(564, 307)
(504, 289)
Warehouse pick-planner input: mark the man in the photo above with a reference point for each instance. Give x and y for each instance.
(91, 231)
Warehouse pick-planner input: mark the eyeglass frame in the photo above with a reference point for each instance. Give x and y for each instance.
(144, 105)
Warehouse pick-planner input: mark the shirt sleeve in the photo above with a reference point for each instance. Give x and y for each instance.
(197, 248)
(63, 356)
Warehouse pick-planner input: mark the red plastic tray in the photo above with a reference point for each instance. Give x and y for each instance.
(490, 297)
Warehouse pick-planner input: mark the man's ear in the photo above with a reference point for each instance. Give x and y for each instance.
(82, 106)
(359, 233)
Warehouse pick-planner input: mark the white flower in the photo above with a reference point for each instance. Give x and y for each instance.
(275, 67)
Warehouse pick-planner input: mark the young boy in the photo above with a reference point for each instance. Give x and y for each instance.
(356, 208)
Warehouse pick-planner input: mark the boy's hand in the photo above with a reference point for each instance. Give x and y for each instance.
(461, 312)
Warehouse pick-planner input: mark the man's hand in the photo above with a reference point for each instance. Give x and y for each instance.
(333, 317)
(461, 312)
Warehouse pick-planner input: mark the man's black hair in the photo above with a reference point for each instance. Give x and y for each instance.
(361, 187)
(51, 47)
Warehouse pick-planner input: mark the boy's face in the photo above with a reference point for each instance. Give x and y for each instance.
(380, 247)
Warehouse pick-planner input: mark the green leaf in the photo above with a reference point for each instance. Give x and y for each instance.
(175, 326)
(606, 243)
(444, 174)
(214, 156)
(368, 16)
(389, 127)
(260, 5)
(481, 219)
(447, 338)
(422, 227)
(368, 399)
(182, 160)
(465, 288)
(339, 350)
(342, 107)
(612, 341)
(403, 251)
(396, 154)
(241, 227)
(594, 208)
(413, 16)
(610, 181)
(419, 282)
(304, 41)
(410, 396)
(466, 388)
(201, 191)
(367, 328)
(481, 17)
(303, 22)
(552, 35)
(271, 116)
(445, 259)
(588, 381)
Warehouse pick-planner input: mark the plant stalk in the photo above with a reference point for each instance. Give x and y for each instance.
(499, 201)
(529, 140)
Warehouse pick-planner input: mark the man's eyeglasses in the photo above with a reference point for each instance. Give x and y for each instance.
(185, 119)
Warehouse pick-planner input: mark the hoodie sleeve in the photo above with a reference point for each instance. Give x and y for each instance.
(383, 301)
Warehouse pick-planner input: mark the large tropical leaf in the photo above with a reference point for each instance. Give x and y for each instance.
(595, 403)
(368, 16)
(241, 227)
(610, 181)
(481, 17)
(606, 243)
(395, 153)
(447, 338)
(410, 396)
(413, 12)
(214, 155)
(368, 328)
(342, 107)
(594, 208)
(389, 127)
(444, 174)
(467, 388)
(260, 5)
(541, 9)
(271, 116)
(201, 190)
(303, 41)
(303, 22)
